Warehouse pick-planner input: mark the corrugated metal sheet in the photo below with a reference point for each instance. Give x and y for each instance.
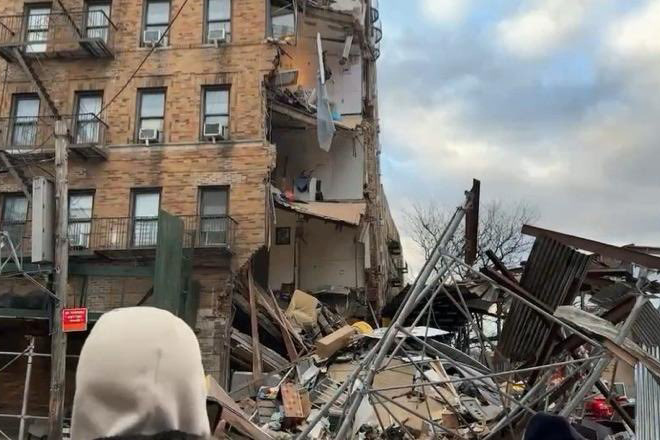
(553, 275)
(647, 411)
(646, 329)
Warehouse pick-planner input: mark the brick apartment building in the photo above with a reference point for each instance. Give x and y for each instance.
(204, 109)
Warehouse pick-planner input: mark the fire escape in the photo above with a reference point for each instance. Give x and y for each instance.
(42, 34)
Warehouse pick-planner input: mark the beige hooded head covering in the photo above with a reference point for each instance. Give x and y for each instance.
(140, 372)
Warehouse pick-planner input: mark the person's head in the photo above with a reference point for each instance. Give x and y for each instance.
(139, 373)
(544, 426)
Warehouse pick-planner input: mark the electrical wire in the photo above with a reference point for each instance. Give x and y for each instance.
(144, 60)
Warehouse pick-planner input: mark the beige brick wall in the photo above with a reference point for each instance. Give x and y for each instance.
(183, 68)
(184, 162)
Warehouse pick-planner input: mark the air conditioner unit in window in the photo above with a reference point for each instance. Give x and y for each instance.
(147, 135)
(216, 131)
(217, 36)
(151, 38)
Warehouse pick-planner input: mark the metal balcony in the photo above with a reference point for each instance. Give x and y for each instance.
(35, 135)
(74, 34)
(129, 237)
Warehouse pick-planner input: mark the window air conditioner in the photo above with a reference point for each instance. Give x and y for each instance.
(215, 130)
(147, 135)
(151, 38)
(217, 36)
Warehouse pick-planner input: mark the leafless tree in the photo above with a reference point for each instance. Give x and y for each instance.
(499, 230)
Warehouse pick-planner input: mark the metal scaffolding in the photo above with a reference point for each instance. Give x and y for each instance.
(438, 272)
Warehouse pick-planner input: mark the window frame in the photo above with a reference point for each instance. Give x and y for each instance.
(139, 118)
(12, 195)
(28, 7)
(72, 221)
(207, 22)
(76, 112)
(134, 220)
(145, 9)
(14, 118)
(222, 217)
(16, 223)
(106, 26)
(212, 88)
(269, 22)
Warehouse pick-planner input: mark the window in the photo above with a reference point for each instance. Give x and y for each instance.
(156, 18)
(36, 28)
(87, 128)
(216, 112)
(145, 217)
(282, 19)
(80, 219)
(26, 113)
(14, 215)
(213, 216)
(218, 17)
(97, 20)
(151, 111)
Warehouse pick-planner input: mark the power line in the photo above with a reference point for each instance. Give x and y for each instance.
(144, 60)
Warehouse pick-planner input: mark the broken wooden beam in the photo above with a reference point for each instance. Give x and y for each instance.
(254, 326)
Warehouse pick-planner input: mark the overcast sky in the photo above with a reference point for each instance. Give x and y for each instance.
(555, 102)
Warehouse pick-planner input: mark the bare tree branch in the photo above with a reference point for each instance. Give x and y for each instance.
(499, 230)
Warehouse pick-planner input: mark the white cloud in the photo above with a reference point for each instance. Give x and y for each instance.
(637, 35)
(582, 148)
(542, 28)
(446, 11)
(440, 139)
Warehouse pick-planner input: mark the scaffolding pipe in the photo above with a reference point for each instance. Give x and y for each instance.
(605, 360)
(26, 389)
(419, 290)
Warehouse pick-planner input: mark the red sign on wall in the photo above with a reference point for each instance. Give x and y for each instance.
(74, 320)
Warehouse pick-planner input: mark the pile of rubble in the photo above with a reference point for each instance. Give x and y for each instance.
(567, 326)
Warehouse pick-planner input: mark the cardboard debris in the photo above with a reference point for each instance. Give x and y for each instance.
(302, 309)
(332, 343)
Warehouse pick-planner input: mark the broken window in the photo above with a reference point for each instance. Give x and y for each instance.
(146, 204)
(88, 125)
(25, 118)
(36, 30)
(80, 219)
(282, 19)
(213, 216)
(218, 20)
(14, 215)
(97, 20)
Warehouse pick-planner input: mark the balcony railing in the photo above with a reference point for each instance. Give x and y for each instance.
(128, 233)
(34, 134)
(73, 34)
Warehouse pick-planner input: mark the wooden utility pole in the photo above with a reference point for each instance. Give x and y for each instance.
(61, 272)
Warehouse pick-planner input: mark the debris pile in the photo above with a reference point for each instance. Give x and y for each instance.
(468, 353)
